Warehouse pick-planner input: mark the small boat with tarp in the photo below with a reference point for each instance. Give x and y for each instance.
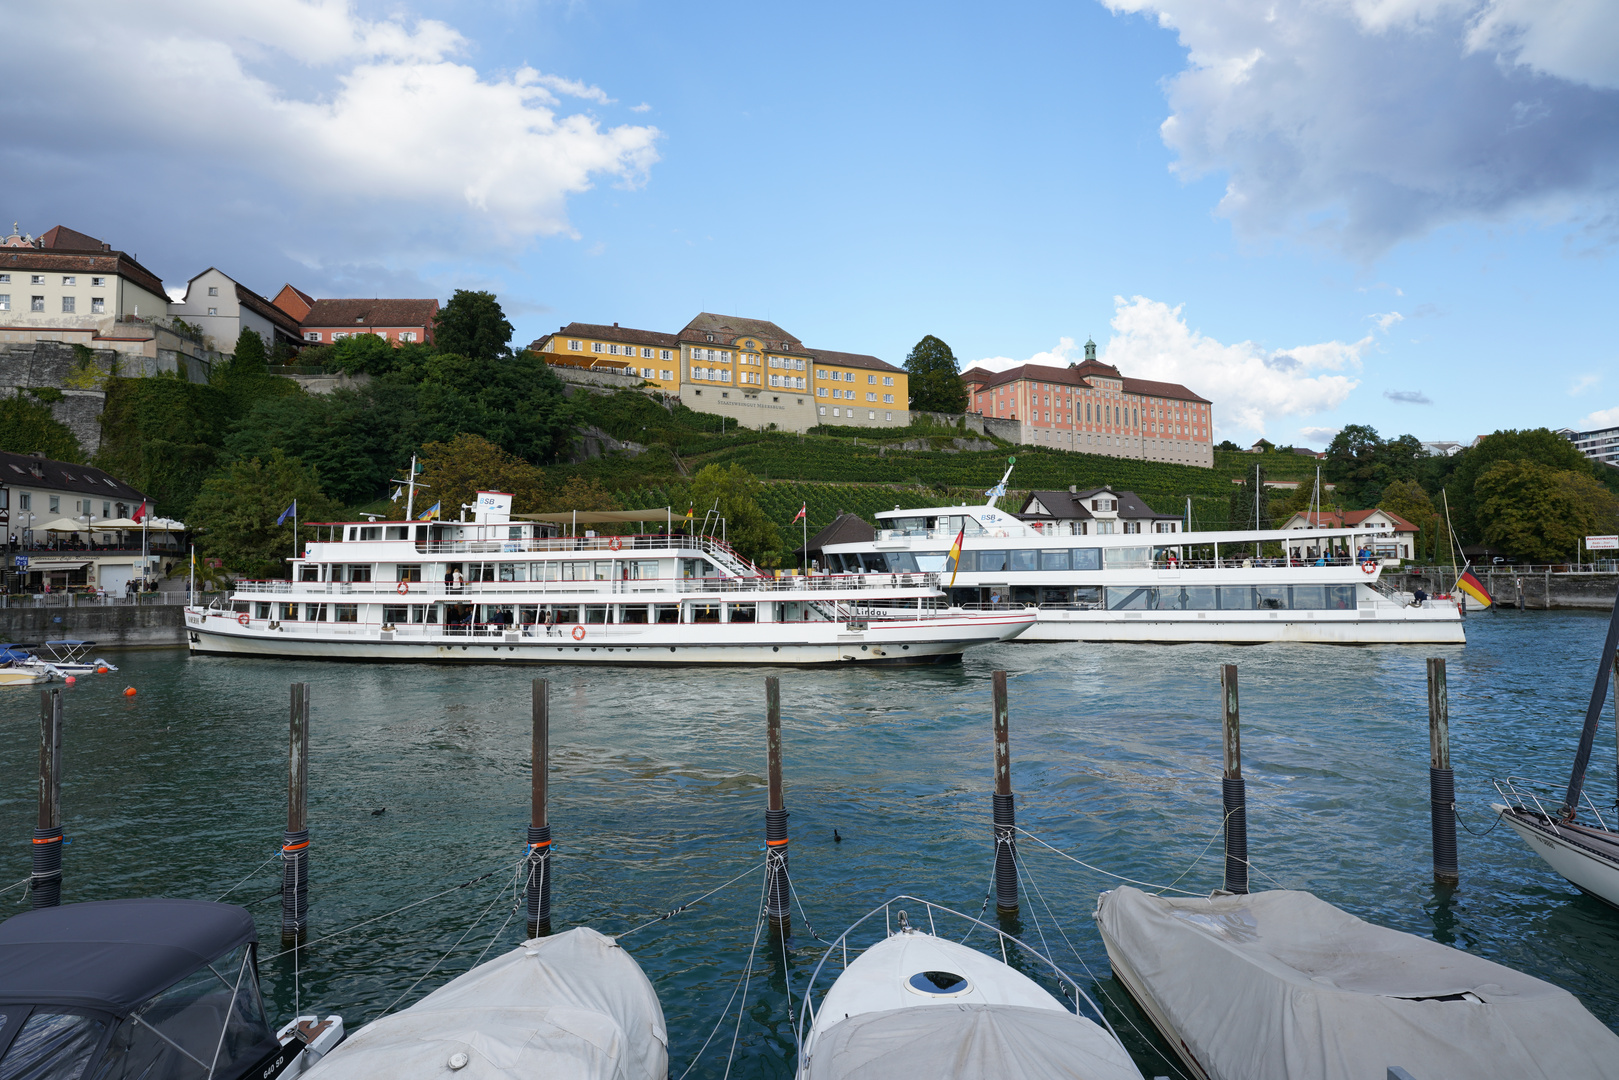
(69, 656)
(574, 1005)
(148, 989)
(1585, 852)
(917, 1004)
(17, 667)
(1280, 985)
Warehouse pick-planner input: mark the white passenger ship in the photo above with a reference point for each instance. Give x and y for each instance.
(518, 591)
(1164, 587)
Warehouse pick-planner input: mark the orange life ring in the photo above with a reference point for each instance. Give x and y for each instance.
(578, 633)
(1368, 567)
(242, 618)
(614, 544)
(404, 588)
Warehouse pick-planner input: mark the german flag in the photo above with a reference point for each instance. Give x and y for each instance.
(1473, 587)
(955, 554)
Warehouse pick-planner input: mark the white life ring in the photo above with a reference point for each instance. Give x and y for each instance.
(1368, 568)
(404, 588)
(242, 618)
(578, 633)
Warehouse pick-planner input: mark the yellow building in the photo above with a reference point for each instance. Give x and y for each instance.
(647, 354)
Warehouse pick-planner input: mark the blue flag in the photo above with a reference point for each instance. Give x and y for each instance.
(291, 511)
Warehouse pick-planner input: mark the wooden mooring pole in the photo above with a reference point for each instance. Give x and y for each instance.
(1005, 815)
(539, 828)
(45, 883)
(1441, 780)
(295, 842)
(777, 884)
(1234, 795)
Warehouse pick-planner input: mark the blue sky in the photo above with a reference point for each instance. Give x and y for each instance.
(1319, 212)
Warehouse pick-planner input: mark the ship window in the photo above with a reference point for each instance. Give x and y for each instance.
(958, 522)
(642, 569)
(544, 571)
(409, 573)
(667, 613)
(1236, 598)
(1131, 557)
(1025, 560)
(395, 613)
(397, 532)
(744, 613)
(1087, 558)
(1088, 596)
(991, 562)
(604, 570)
(632, 613)
(371, 532)
(1309, 597)
(346, 613)
(309, 572)
(1050, 596)
(314, 612)
(1341, 597)
(1270, 597)
(1054, 559)
(1132, 599)
(286, 612)
(359, 573)
(513, 571)
(909, 525)
(705, 613)
(1191, 598)
(560, 616)
(933, 562)
(263, 611)
(421, 613)
(873, 562)
(595, 613)
(901, 562)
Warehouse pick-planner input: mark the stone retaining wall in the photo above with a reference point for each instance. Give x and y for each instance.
(111, 626)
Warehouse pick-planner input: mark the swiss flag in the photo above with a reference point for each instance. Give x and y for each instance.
(139, 515)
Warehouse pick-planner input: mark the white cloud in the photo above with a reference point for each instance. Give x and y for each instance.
(1583, 383)
(302, 125)
(1360, 123)
(1065, 353)
(1322, 435)
(1408, 397)
(1602, 418)
(1386, 320)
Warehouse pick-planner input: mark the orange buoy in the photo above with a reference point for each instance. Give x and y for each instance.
(102, 670)
(70, 680)
(129, 691)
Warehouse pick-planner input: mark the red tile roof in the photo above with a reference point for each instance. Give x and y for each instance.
(348, 314)
(1348, 519)
(1077, 375)
(71, 240)
(623, 334)
(846, 359)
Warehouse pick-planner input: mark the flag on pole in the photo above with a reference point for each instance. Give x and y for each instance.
(996, 492)
(397, 492)
(140, 514)
(1473, 587)
(802, 510)
(291, 511)
(955, 555)
(428, 514)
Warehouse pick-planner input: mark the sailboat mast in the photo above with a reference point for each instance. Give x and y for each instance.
(1593, 714)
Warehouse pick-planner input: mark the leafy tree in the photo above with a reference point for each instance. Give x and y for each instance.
(28, 426)
(458, 469)
(1362, 463)
(580, 493)
(249, 355)
(1539, 445)
(1228, 447)
(934, 377)
(162, 435)
(1407, 499)
(234, 514)
(362, 353)
(244, 377)
(747, 528)
(472, 325)
(1540, 512)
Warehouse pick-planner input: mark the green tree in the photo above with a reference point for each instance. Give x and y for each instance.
(1407, 499)
(1539, 445)
(234, 515)
(472, 325)
(249, 355)
(1226, 446)
(747, 528)
(362, 353)
(162, 435)
(244, 377)
(934, 378)
(458, 469)
(27, 427)
(581, 493)
(1541, 513)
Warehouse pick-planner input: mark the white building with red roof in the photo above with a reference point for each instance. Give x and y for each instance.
(1093, 408)
(1401, 542)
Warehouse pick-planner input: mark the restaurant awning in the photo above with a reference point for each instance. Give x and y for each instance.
(62, 525)
(598, 517)
(35, 564)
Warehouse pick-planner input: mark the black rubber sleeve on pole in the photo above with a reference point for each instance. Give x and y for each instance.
(1005, 854)
(45, 884)
(1234, 794)
(1442, 799)
(776, 902)
(294, 882)
(539, 879)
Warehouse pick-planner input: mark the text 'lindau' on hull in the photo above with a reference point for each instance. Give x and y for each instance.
(534, 590)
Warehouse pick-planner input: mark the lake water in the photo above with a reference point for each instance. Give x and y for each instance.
(657, 796)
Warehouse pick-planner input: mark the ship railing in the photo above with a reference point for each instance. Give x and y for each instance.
(1519, 794)
(612, 546)
(562, 630)
(391, 591)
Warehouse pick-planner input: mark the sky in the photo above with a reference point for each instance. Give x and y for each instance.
(1401, 213)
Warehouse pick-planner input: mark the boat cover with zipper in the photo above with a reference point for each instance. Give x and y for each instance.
(1282, 985)
(573, 1005)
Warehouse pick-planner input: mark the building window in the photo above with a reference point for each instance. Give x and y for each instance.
(871, 416)
(5, 301)
(820, 391)
(106, 510)
(5, 279)
(871, 380)
(311, 335)
(25, 500)
(213, 311)
(823, 410)
(888, 416)
(646, 354)
(98, 283)
(408, 335)
(56, 504)
(595, 346)
(339, 337)
(36, 279)
(888, 399)
(835, 411)
(98, 305)
(665, 374)
(574, 346)
(872, 397)
(69, 279)
(663, 354)
(213, 290)
(36, 303)
(888, 380)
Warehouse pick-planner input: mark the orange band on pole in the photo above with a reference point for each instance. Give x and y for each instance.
(542, 843)
(48, 840)
(776, 843)
(295, 847)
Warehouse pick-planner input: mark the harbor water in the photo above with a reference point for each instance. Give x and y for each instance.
(419, 781)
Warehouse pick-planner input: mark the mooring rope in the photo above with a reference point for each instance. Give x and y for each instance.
(666, 916)
(250, 877)
(19, 885)
(1499, 814)
(1104, 873)
(447, 953)
(747, 971)
(388, 914)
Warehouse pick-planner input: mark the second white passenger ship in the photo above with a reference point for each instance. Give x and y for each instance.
(503, 590)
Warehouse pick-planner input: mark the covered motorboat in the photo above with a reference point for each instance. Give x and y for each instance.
(916, 1004)
(126, 989)
(1282, 985)
(69, 656)
(1585, 852)
(575, 1005)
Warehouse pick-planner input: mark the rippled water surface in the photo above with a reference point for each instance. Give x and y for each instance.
(657, 796)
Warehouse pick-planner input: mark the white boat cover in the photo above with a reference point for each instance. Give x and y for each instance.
(573, 1005)
(966, 1041)
(1282, 985)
